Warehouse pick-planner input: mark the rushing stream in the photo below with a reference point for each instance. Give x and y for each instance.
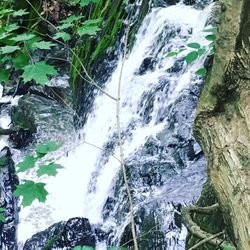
(158, 99)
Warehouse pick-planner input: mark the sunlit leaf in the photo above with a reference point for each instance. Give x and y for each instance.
(172, 53)
(211, 30)
(87, 2)
(20, 12)
(12, 27)
(9, 49)
(87, 30)
(22, 37)
(48, 147)
(63, 35)
(211, 38)
(43, 45)
(38, 72)
(194, 45)
(201, 51)
(49, 169)
(28, 163)
(31, 191)
(191, 57)
(201, 72)
(71, 19)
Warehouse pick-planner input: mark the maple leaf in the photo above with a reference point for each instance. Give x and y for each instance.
(63, 35)
(31, 191)
(22, 37)
(28, 163)
(20, 12)
(48, 147)
(38, 72)
(50, 169)
(8, 49)
(4, 75)
(42, 45)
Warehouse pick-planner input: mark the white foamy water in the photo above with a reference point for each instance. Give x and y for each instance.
(70, 193)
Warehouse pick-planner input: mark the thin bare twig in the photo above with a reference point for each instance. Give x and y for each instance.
(118, 122)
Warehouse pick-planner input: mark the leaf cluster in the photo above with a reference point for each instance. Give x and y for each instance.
(197, 50)
(31, 190)
(18, 43)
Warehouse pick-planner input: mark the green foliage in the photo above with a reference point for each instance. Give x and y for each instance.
(17, 43)
(228, 247)
(2, 216)
(191, 57)
(4, 76)
(49, 169)
(83, 248)
(198, 50)
(28, 163)
(48, 147)
(31, 191)
(38, 72)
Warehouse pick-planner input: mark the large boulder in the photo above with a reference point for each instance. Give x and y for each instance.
(63, 235)
(8, 181)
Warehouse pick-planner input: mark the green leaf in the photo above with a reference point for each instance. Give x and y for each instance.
(43, 45)
(201, 72)
(9, 49)
(31, 191)
(211, 38)
(2, 217)
(172, 53)
(4, 76)
(5, 59)
(20, 60)
(228, 247)
(87, 2)
(38, 72)
(194, 45)
(201, 51)
(211, 30)
(63, 35)
(22, 37)
(48, 147)
(191, 57)
(87, 30)
(71, 19)
(92, 22)
(20, 12)
(83, 248)
(2, 209)
(28, 163)
(12, 27)
(65, 26)
(50, 169)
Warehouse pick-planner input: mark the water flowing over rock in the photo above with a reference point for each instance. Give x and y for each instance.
(63, 235)
(165, 165)
(8, 181)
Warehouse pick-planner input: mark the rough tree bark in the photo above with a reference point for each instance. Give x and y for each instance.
(222, 124)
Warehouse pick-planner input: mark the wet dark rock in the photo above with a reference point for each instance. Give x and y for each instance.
(177, 67)
(8, 181)
(147, 64)
(63, 235)
(41, 117)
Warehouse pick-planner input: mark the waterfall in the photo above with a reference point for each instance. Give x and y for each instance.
(154, 89)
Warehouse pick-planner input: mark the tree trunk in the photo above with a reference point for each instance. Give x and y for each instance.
(222, 124)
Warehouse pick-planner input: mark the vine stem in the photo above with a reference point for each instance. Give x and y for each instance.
(118, 122)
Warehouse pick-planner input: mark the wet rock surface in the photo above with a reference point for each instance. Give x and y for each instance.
(8, 181)
(63, 235)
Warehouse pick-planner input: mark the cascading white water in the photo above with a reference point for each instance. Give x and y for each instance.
(82, 187)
